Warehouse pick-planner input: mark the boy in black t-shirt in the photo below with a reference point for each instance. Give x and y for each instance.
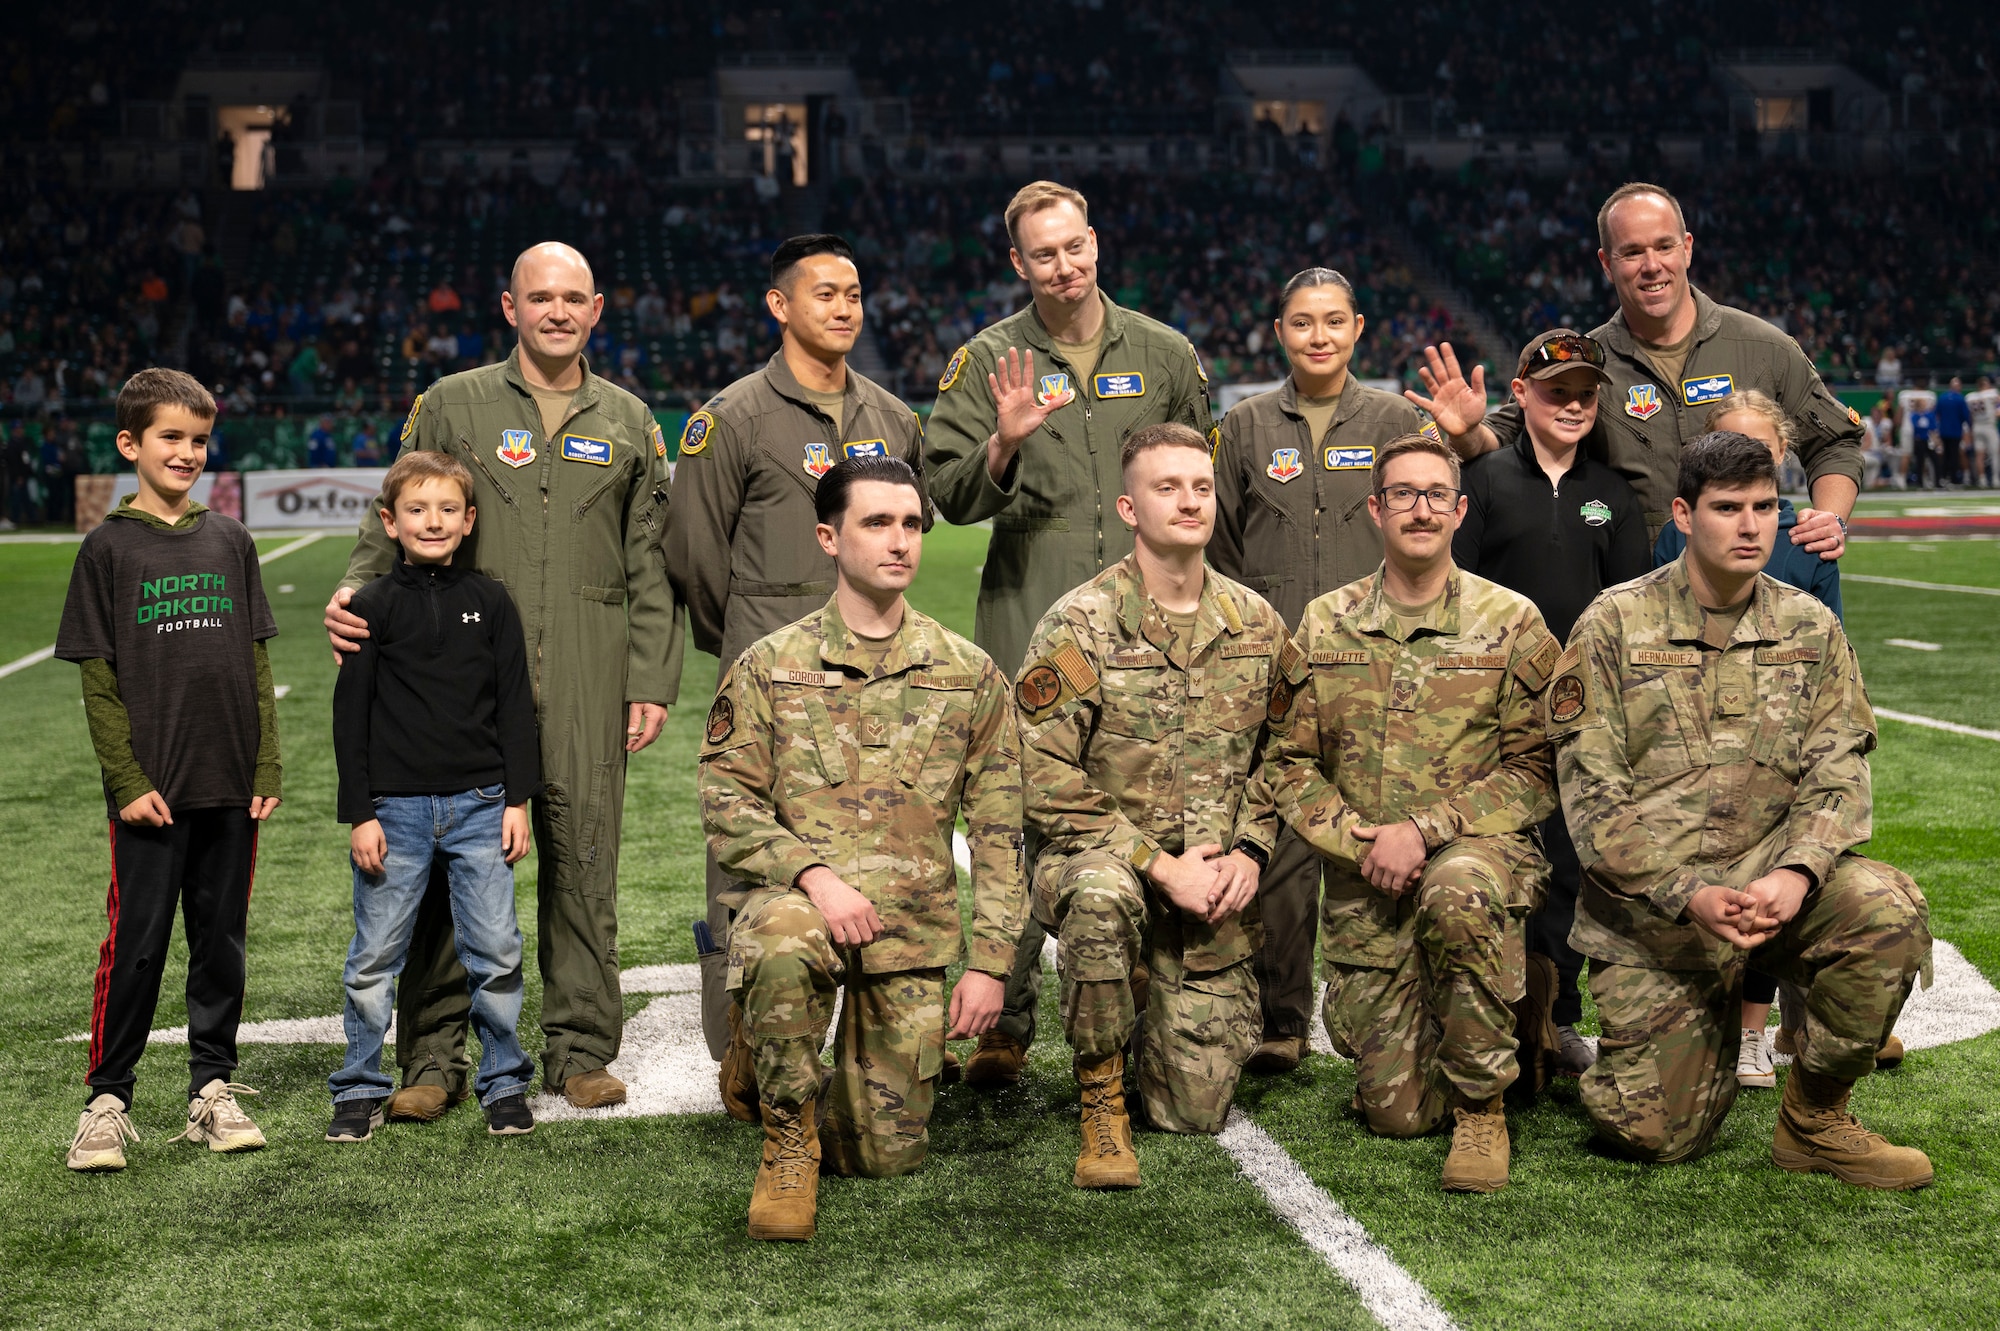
(435, 735)
(166, 615)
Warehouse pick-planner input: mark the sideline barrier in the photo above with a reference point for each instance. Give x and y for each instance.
(264, 500)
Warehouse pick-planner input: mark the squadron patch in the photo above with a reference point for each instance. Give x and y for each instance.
(1642, 402)
(1197, 365)
(1039, 688)
(1566, 700)
(818, 461)
(1853, 416)
(694, 436)
(1285, 465)
(1214, 442)
(410, 421)
(951, 369)
(517, 447)
(1283, 691)
(1052, 388)
(721, 720)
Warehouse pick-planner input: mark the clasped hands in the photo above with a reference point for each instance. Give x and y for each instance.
(1751, 917)
(1204, 882)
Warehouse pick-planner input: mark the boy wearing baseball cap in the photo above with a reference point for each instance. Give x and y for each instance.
(1548, 521)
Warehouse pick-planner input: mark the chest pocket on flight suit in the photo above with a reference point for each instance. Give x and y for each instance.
(597, 570)
(938, 712)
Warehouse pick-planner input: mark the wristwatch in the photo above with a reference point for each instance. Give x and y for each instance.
(1251, 850)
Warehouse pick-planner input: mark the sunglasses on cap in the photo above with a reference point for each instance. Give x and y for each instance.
(1568, 348)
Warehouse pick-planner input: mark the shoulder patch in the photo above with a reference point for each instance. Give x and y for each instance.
(1566, 700)
(1197, 364)
(721, 719)
(410, 421)
(952, 369)
(1292, 662)
(694, 435)
(1283, 694)
(1039, 688)
(1075, 667)
(1214, 442)
(659, 441)
(1538, 667)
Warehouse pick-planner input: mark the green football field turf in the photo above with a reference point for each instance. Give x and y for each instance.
(640, 1221)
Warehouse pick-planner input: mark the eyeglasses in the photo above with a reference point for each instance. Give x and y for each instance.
(1401, 499)
(1566, 349)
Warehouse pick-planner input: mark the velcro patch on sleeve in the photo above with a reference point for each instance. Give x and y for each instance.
(818, 679)
(1650, 656)
(721, 720)
(1569, 697)
(1786, 655)
(1039, 689)
(1292, 662)
(1075, 667)
(1327, 657)
(1470, 661)
(1538, 667)
(1284, 692)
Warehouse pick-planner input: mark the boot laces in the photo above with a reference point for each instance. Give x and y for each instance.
(111, 1119)
(1098, 1112)
(1477, 1131)
(216, 1109)
(1842, 1131)
(794, 1160)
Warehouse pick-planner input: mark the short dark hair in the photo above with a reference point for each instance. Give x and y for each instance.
(830, 499)
(1405, 444)
(789, 253)
(1630, 189)
(1315, 277)
(1167, 434)
(1723, 457)
(140, 400)
(417, 465)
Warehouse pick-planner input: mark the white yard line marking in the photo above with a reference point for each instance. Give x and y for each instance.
(1920, 586)
(1953, 727)
(1915, 645)
(1391, 1294)
(36, 658)
(32, 658)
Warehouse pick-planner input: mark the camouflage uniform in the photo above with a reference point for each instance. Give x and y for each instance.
(1683, 766)
(807, 760)
(1132, 750)
(1442, 728)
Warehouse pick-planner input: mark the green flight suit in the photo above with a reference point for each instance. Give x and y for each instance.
(750, 463)
(572, 527)
(1055, 514)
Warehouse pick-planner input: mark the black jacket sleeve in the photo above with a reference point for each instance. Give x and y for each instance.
(1630, 555)
(353, 706)
(514, 703)
(1471, 533)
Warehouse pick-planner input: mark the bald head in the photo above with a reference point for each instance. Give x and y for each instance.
(552, 300)
(552, 265)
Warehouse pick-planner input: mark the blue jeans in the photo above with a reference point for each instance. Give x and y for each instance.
(464, 832)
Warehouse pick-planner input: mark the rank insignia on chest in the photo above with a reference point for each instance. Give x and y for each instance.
(819, 461)
(1121, 385)
(517, 447)
(1350, 459)
(1051, 388)
(582, 448)
(1642, 401)
(1285, 465)
(694, 436)
(866, 448)
(1713, 388)
(1596, 513)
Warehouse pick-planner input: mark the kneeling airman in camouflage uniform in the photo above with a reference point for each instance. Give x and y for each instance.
(1712, 734)
(838, 754)
(1143, 703)
(1416, 762)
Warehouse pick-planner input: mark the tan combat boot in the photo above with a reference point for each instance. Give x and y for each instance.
(1479, 1148)
(996, 1062)
(785, 1198)
(1277, 1054)
(1816, 1134)
(736, 1077)
(1107, 1159)
(422, 1103)
(1890, 1055)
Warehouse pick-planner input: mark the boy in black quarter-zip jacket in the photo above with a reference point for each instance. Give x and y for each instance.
(1545, 519)
(434, 734)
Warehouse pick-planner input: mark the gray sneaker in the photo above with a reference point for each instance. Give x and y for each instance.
(215, 1117)
(101, 1133)
(1754, 1067)
(1573, 1053)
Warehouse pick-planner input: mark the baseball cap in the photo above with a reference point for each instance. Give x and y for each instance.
(1559, 351)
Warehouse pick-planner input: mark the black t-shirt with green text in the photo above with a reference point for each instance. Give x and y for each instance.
(177, 613)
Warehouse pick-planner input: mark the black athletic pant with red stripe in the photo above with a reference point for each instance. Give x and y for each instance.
(203, 863)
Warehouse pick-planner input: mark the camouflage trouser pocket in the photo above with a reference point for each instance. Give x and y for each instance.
(1336, 1005)
(1198, 1033)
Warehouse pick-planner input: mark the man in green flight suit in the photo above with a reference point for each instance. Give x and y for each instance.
(570, 483)
(751, 461)
(1039, 455)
